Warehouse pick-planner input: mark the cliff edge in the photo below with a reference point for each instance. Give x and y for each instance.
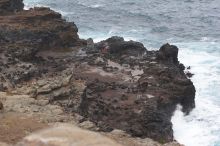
(47, 71)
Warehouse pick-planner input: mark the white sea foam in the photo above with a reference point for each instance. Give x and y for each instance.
(27, 6)
(30, 4)
(201, 127)
(96, 6)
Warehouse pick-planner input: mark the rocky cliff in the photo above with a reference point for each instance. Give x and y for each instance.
(46, 70)
(10, 6)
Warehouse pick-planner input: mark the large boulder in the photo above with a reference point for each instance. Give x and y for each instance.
(1, 106)
(168, 53)
(8, 6)
(118, 46)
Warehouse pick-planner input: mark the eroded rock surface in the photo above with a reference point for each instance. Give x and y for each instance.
(14, 126)
(48, 71)
(136, 94)
(1, 106)
(10, 6)
(24, 35)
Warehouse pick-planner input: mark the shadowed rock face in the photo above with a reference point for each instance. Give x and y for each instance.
(168, 53)
(8, 6)
(141, 104)
(116, 84)
(1, 106)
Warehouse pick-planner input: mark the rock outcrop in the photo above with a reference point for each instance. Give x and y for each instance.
(118, 47)
(1, 106)
(168, 53)
(10, 6)
(26, 34)
(48, 71)
(140, 93)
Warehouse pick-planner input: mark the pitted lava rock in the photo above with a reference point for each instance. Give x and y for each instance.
(116, 84)
(10, 6)
(168, 53)
(24, 35)
(118, 47)
(141, 105)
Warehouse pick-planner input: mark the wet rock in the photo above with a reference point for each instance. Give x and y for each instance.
(189, 74)
(182, 67)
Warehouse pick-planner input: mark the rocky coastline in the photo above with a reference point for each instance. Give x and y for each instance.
(49, 75)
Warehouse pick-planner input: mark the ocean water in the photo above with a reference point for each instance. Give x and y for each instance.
(192, 25)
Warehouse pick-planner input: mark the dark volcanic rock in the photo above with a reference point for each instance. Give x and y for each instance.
(168, 53)
(24, 35)
(39, 27)
(113, 83)
(1, 106)
(8, 6)
(142, 105)
(117, 46)
(135, 113)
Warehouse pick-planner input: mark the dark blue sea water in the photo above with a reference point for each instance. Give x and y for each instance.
(192, 25)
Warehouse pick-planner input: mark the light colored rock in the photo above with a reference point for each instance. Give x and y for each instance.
(150, 96)
(3, 144)
(119, 133)
(25, 104)
(88, 125)
(42, 102)
(14, 126)
(66, 135)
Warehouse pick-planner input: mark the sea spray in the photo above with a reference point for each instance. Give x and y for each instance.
(201, 127)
